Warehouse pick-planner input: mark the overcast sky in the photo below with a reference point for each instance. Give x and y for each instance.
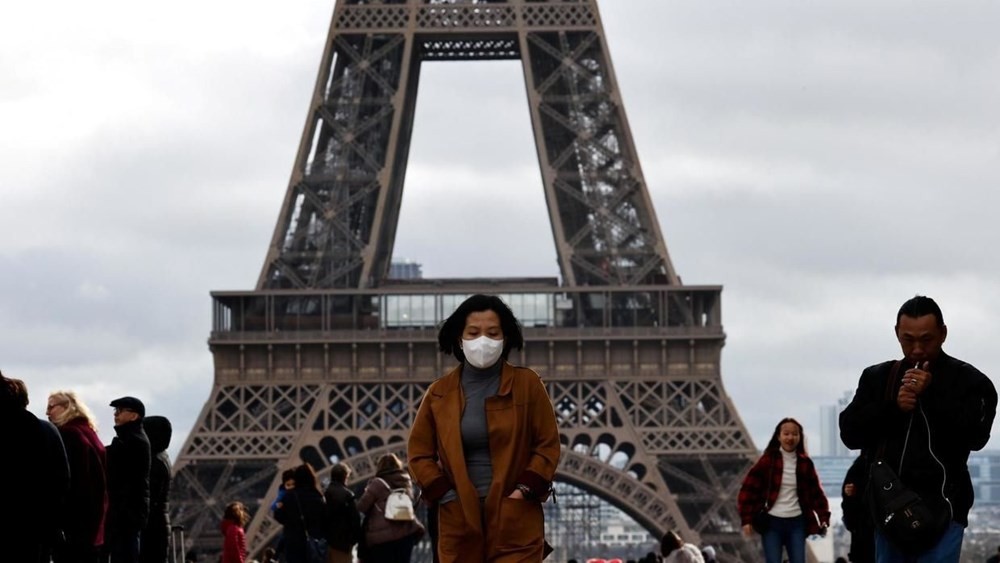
(822, 161)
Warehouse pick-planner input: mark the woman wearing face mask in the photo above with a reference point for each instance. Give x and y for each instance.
(782, 496)
(485, 444)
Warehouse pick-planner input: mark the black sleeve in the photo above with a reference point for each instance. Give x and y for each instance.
(57, 466)
(977, 413)
(868, 411)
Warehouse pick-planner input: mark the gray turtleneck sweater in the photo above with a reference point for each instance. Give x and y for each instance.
(477, 385)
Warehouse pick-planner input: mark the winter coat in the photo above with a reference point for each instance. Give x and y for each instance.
(34, 468)
(378, 530)
(87, 506)
(857, 516)
(960, 404)
(524, 449)
(128, 479)
(155, 542)
(763, 483)
(344, 522)
(234, 543)
(303, 508)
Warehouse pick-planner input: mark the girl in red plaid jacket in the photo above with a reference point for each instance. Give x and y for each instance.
(781, 497)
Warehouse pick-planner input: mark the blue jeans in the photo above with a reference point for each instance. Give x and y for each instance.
(947, 550)
(788, 533)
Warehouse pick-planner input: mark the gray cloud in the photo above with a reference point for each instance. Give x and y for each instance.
(823, 163)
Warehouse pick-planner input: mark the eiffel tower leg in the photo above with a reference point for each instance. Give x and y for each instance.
(327, 359)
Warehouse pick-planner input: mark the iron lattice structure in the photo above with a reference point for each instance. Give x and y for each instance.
(327, 359)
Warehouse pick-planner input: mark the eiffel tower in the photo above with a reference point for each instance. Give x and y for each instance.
(327, 359)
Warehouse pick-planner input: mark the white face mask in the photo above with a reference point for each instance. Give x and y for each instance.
(482, 352)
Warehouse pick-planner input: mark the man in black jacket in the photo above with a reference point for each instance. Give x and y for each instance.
(128, 481)
(342, 514)
(931, 407)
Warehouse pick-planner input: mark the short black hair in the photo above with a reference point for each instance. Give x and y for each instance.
(919, 306)
(452, 328)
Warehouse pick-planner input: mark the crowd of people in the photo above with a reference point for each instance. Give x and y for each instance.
(74, 500)
(483, 451)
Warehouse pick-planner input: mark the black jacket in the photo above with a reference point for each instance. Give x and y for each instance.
(156, 537)
(344, 520)
(128, 479)
(857, 516)
(34, 467)
(959, 404)
(303, 508)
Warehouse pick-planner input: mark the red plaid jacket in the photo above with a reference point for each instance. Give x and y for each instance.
(755, 492)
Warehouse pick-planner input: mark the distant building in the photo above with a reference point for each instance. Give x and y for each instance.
(829, 427)
(984, 467)
(832, 470)
(406, 270)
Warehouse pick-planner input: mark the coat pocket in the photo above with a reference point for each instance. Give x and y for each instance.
(453, 533)
(521, 523)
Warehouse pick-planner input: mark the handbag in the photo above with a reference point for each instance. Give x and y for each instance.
(761, 520)
(315, 549)
(398, 506)
(911, 523)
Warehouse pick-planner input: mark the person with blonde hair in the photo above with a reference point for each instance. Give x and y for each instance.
(388, 541)
(234, 539)
(87, 506)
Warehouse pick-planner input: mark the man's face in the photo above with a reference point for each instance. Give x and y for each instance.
(123, 416)
(920, 338)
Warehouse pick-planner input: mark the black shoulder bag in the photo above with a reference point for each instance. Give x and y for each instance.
(911, 523)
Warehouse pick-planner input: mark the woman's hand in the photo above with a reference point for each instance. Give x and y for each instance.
(747, 530)
(516, 494)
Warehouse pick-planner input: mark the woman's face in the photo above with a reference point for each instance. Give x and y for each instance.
(482, 323)
(789, 436)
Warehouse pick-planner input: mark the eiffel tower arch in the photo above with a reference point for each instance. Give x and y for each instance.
(326, 360)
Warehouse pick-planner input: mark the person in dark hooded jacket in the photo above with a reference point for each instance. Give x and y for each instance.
(128, 481)
(155, 542)
(35, 468)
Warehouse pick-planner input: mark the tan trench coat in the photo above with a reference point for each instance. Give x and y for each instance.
(524, 448)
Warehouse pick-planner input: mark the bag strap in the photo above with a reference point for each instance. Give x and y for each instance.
(890, 386)
(302, 517)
